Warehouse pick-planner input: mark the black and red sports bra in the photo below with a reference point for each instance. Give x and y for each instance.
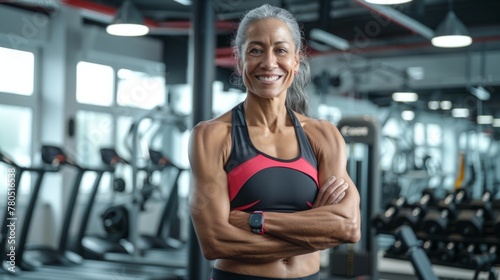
(261, 182)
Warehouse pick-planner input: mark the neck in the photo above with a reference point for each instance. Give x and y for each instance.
(268, 112)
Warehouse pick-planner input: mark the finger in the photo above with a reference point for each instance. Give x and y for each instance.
(320, 198)
(338, 192)
(333, 191)
(339, 198)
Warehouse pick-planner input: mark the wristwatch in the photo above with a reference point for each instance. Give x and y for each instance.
(256, 222)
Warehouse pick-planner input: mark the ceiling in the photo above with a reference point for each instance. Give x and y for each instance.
(395, 31)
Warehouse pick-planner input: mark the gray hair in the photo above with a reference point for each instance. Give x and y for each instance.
(296, 98)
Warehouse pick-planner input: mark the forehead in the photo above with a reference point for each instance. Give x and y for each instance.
(269, 29)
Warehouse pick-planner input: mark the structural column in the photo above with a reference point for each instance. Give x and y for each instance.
(202, 73)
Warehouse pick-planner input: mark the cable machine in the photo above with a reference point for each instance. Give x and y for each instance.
(361, 135)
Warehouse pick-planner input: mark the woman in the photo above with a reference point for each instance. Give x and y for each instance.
(256, 203)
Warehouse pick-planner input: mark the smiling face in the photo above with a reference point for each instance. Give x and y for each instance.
(269, 58)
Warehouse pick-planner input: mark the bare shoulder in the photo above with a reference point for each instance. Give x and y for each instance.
(320, 131)
(211, 136)
(215, 127)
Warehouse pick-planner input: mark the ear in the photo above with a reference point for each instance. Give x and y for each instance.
(297, 62)
(239, 66)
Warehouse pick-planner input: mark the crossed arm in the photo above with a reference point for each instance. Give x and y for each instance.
(225, 234)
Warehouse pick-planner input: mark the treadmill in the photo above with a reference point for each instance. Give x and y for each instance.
(43, 262)
(158, 249)
(11, 266)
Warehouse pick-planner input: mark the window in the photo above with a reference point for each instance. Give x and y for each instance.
(93, 131)
(434, 135)
(94, 84)
(16, 141)
(141, 90)
(419, 134)
(16, 71)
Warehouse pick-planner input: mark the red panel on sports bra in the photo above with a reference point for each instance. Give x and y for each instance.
(260, 182)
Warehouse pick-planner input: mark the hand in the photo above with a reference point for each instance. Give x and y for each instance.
(332, 192)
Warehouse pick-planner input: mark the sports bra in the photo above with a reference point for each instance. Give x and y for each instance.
(258, 181)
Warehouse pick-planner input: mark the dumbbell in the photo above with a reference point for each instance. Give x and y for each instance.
(467, 254)
(436, 220)
(485, 259)
(396, 249)
(470, 221)
(431, 247)
(447, 253)
(411, 215)
(382, 221)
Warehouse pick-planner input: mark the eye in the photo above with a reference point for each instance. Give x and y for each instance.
(282, 51)
(255, 51)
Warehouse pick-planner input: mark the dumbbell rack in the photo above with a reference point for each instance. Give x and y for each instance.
(477, 251)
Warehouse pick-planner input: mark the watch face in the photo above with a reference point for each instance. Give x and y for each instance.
(256, 220)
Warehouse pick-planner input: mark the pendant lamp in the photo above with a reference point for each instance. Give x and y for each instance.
(388, 2)
(451, 33)
(128, 21)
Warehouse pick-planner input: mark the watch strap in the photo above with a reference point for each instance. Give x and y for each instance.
(261, 229)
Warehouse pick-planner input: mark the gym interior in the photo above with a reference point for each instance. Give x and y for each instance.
(94, 175)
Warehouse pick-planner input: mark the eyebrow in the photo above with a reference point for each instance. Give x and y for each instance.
(261, 43)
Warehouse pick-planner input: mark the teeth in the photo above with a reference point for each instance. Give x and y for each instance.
(269, 79)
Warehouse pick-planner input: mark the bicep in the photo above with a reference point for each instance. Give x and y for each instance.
(331, 154)
(209, 199)
(332, 160)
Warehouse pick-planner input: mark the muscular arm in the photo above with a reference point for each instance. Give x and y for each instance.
(326, 226)
(209, 205)
(330, 225)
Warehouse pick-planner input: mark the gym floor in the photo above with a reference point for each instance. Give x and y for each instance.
(391, 269)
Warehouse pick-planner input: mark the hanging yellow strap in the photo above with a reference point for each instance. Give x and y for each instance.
(459, 181)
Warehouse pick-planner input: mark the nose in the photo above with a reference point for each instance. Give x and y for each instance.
(269, 61)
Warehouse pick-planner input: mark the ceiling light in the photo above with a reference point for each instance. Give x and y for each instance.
(496, 122)
(484, 119)
(404, 96)
(184, 2)
(446, 105)
(433, 105)
(388, 2)
(408, 115)
(128, 21)
(480, 92)
(318, 46)
(451, 33)
(460, 112)
(329, 39)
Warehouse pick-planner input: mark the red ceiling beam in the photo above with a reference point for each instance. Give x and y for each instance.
(110, 11)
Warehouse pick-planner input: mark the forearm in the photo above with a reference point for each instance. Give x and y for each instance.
(240, 245)
(319, 228)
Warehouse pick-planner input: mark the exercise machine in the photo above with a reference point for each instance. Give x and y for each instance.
(12, 258)
(61, 262)
(362, 133)
(114, 246)
(414, 252)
